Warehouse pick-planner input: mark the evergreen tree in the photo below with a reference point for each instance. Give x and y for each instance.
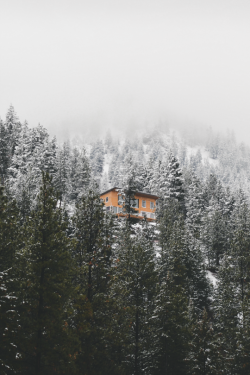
(45, 345)
(97, 159)
(48, 157)
(215, 233)
(199, 289)
(172, 312)
(4, 157)
(203, 353)
(175, 180)
(94, 238)
(135, 287)
(113, 171)
(80, 174)
(13, 128)
(128, 190)
(8, 231)
(9, 318)
(232, 297)
(172, 323)
(62, 178)
(194, 204)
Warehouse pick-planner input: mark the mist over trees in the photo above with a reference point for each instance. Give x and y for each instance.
(83, 292)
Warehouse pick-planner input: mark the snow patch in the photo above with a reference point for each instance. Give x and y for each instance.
(212, 278)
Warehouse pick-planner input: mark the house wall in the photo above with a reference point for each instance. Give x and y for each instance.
(148, 200)
(112, 198)
(113, 201)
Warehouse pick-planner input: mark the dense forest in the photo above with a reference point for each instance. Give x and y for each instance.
(83, 292)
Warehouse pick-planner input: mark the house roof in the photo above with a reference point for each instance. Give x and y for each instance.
(141, 193)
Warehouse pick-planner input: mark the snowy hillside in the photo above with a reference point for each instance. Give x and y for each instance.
(207, 154)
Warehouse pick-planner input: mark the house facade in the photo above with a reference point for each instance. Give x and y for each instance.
(144, 204)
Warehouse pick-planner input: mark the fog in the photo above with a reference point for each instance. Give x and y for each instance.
(77, 66)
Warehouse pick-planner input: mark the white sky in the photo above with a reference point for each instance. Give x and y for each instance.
(68, 63)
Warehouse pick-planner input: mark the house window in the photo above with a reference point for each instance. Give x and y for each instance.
(143, 213)
(108, 208)
(152, 206)
(152, 216)
(107, 199)
(120, 200)
(119, 209)
(115, 210)
(143, 204)
(134, 203)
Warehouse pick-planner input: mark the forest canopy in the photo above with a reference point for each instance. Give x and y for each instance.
(85, 292)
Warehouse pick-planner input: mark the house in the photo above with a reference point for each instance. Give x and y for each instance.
(144, 204)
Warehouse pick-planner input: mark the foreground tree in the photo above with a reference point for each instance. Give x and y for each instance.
(135, 286)
(44, 345)
(93, 234)
(172, 309)
(9, 318)
(204, 349)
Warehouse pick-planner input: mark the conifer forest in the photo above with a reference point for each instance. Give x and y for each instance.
(84, 292)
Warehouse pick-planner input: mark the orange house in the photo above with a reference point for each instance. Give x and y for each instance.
(144, 204)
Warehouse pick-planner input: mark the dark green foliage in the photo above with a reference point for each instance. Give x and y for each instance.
(172, 328)
(8, 231)
(172, 310)
(4, 153)
(82, 292)
(92, 304)
(61, 180)
(204, 349)
(79, 174)
(9, 317)
(232, 298)
(45, 345)
(127, 195)
(135, 287)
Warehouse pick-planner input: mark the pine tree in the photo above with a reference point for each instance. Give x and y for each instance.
(166, 225)
(172, 325)
(13, 128)
(175, 180)
(33, 153)
(199, 289)
(8, 231)
(94, 238)
(226, 317)
(4, 157)
(62, 177)
(80, 174)
(97, 159)
(45, 345)
(47, 160)
(194, 204)
(128, 190)
(203, 353)
(215, 233)
(149, 183)
(9, 318)
(8, 324)
(135, 287)
(172, 311)
(113, 171)
(232, 297)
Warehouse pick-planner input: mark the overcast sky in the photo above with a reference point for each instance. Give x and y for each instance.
(68, 63)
